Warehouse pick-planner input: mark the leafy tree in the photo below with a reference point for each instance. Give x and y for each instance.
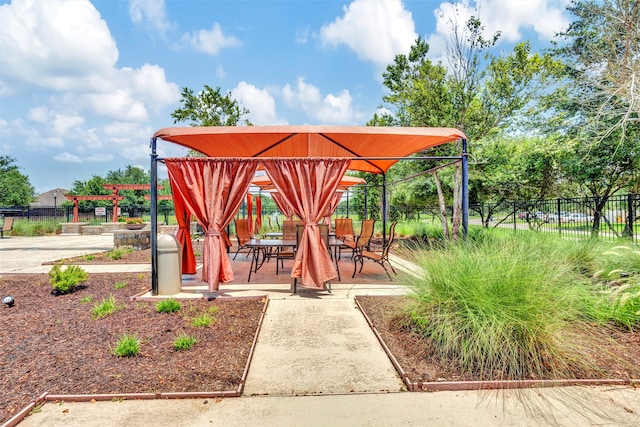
(603, 67)
(209, 108)
(481, 95)
(15, 188)
(603, 169)
(91, 187)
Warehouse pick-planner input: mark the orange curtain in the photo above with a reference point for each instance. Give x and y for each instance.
(184, 233)
(212, 189)
(334, 205)
(258, 213)
(308, 187)
(250, 212)
(282, 205)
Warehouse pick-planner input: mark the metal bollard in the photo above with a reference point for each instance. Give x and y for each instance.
(169, 269)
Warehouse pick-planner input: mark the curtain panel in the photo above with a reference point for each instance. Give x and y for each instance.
(282, 205)
(212, 190)
(183, 216)
(308, 186)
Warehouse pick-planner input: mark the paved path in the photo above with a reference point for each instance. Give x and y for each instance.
(317, 363)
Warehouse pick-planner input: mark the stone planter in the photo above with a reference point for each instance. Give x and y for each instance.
(135, 226)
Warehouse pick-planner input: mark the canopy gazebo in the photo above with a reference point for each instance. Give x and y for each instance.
(305, 163)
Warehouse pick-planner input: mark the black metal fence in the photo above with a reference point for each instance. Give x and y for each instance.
(607, 218)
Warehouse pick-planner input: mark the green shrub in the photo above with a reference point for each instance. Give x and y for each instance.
(120, 285)
(104, 308)
(127, 346)
(118, 253)
(202, 320)
(169, 305)
(184, 342)
(65, 281)
(501, 305)
(86, 300)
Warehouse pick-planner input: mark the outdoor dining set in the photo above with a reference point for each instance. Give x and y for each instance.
(282, 245)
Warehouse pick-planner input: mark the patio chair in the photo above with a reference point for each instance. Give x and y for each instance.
(381, 258)
(7, 225)
(363, 240)
(288, 233)
(243, 236)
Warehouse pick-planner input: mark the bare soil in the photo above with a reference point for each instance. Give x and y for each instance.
(52, 344)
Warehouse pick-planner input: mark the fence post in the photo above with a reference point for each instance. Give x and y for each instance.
(558, 217)
(515, 227)
(630, 217)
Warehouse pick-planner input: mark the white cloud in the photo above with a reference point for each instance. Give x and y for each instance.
(67, 158)
(39, 114)
(302, 36)
(63, 123)
(152, 13)
(210, 41)
(220, 73)
(330, 109)
(118, 105)
(66, 46)
(510, 18)
(375, 30)
(261, 105)
(55, 44)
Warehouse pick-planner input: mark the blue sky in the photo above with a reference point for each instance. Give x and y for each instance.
(84, 84)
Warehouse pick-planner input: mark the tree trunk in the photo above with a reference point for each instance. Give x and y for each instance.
(443, 207)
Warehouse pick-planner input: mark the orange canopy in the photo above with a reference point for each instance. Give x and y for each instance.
(364, 142)
(264, 182)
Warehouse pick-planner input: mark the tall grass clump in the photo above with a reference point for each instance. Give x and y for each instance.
(499, 306)
(169, 305)
(618, 278)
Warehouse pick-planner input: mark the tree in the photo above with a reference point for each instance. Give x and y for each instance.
(481, 95)
(603, 169)
(209, 108)
(603, 66)
(15, 188)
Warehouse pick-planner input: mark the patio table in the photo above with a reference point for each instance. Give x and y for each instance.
(266, 246)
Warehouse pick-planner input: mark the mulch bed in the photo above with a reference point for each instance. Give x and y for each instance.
(419, 359)
(51, 344)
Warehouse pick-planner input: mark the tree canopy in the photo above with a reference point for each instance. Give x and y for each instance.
(15, 188)
(209, 108)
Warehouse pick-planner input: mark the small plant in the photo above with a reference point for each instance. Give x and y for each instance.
(36, 409)
(168, 306)
(127, 346)
(213, 310)
(86, 300)
(118, 253)
(104, 308)
(202, 321)
(65, 281)
(133, 220)
(89, 257)
(184, 342)
(120, 285)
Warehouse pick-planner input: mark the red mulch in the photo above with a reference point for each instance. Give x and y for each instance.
(51, 344)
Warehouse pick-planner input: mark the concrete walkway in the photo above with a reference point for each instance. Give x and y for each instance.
(317, 363)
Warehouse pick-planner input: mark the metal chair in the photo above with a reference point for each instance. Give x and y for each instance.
(243, 236)
(288, 233)
(381, 258)
(364, 238)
